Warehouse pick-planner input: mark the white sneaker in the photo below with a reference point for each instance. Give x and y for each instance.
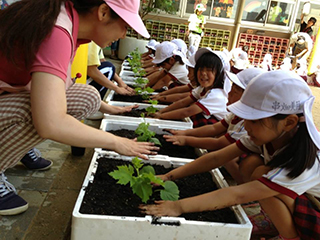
(96, 116)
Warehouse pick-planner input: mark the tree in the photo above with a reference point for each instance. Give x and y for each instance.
(156, 6)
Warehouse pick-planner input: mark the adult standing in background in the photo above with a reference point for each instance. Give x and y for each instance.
(307, 27)
(196, 26)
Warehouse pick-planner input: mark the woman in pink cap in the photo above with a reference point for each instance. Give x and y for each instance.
(38, 97)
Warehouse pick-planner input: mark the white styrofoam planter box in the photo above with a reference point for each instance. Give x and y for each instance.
(187, 121)
(114, 123)
(96, 227)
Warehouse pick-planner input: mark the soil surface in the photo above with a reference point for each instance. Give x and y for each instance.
(135, 113)
(166, 148)
(135, 98)
(105, 197)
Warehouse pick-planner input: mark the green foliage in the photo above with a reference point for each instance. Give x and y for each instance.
(152, 109)
(141, 183)
(146, 135)
(144, 92)
(156, 6)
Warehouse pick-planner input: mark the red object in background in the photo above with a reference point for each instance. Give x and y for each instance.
(78, 75)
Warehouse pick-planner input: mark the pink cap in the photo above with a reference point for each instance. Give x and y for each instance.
(128, 10)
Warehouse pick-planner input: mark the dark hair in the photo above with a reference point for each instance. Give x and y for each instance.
(300, 154)
(313, 19)
(211, 61)
(25, 25)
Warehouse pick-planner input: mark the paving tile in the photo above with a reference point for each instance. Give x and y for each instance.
(14, 227)
(30, 183)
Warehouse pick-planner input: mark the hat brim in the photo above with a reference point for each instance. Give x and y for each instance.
(245, 112)
(233, 77)
(132, 19)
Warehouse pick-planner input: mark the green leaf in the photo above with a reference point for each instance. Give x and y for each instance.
(142, 188)
(137, 163)
(170, 191)
(147, 169)
(155, 141)
(123, 174)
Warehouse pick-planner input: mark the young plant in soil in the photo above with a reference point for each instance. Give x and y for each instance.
(144, 92)
(152, 109)
(142, 182)
(144, 134)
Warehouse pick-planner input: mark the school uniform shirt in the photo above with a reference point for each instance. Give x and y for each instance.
(276, 179)
(235, 127)
(54, 56)
(212, 102)
(179, 73)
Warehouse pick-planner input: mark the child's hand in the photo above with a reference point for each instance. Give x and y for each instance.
(176, 139)
(175, 132)
(162, 208)
(156, 115)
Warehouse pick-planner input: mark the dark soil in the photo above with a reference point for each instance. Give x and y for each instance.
(104, 197)
(135, 98)
(167, 148)
(135, 113)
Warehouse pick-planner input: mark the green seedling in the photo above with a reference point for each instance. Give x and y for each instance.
(145, 134)
(140, 82)
(141, 179)
(144, 92)
(152, 109)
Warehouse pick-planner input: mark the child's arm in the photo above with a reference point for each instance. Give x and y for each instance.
(154, 77)
(212, 130)
(178, 89)
(205, 163)
(218, 199)
(181, 112)
(203, 142)
(179, 104)
(173, 97)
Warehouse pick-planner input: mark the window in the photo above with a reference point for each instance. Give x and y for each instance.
(215, 8)
(268, 12)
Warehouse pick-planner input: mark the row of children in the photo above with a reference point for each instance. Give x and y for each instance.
(260, 129)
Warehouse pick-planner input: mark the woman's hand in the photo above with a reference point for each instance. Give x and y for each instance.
(129, 147)
(176, 139)
(129, 108)
(162, 208)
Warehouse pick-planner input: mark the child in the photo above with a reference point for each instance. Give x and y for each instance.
(207, 103)
(223, 133)
(147, 57)
(179, 92)
(276, 107)
(267, 62)
(172, 60)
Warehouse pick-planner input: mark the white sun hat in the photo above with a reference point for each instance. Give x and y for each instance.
(277, 92)
(200, 7)
(164, 50)
(191, 62)
(223, 57)
(152, 44)
(241, 61)
(182, 46)
(243, 78)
